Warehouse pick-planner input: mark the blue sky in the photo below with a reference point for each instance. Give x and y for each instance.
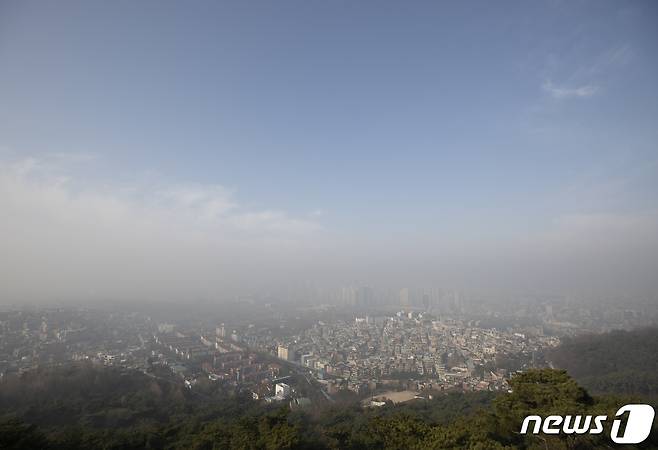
(361, 121)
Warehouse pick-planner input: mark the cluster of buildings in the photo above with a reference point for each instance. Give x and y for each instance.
(440, 340)
(33, 338)
(425, 353)
(220, 358)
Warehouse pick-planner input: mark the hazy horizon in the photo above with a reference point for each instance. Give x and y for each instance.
(158, 150)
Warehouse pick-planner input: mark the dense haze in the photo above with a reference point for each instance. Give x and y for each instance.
(170, 151)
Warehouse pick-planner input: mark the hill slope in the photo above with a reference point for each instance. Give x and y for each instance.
(618, 362)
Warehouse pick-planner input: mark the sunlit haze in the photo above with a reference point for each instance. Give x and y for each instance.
(210, 150)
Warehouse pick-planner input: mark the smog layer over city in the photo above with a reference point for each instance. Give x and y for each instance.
(331, 225)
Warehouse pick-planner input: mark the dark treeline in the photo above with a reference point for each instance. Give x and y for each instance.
(90, 396)
(166, 417)
(618, 362)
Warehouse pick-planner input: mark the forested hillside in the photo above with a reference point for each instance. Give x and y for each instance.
(168, 419)
(618, 362)
(108, 397)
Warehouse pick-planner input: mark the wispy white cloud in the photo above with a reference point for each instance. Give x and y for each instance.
(194, 205)
(150, 240)
(564, 92)
(208, 202)
(582, 75)
(611, 59)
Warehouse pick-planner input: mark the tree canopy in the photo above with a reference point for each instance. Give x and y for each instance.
(453, 421)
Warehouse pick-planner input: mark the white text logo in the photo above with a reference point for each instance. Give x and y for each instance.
(638, 424)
